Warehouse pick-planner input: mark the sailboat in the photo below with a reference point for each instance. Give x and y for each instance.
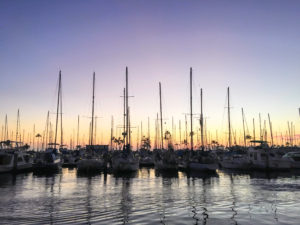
(14, 159)
(50, 159)
(164, 159)
(125, 160)
(91, 162)
(235, 158)
(263, 157)
(199, 160)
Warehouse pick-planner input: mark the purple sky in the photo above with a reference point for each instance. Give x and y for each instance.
(251, 46)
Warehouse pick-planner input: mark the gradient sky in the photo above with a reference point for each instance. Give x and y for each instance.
(251, 46)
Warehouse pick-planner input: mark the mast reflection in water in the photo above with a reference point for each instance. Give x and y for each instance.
(150, 197)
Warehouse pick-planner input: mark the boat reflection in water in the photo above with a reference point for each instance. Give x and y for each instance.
(149, 196)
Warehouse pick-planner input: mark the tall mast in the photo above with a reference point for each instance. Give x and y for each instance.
(47, 130)
(161, 124)
(253, 129)
(127, 109)
(77, 132)
(271, 132)
(33, 136)
(180, 134)
(244, 127)
(173, 130)
(137, 138)
(148, 128)
(111, 133)
(95, 135)
(205, 130)
(260, 131)
(6, 129)
(93, 105)
(156, 133)
(124, 118)
(129, 129)
(186, 136)
(191, 108)
(289, 130)
(61, 122)
(201, 120)
(292, 132)
(57, 108)
(229, 125)
(50, 133)
(18, 124)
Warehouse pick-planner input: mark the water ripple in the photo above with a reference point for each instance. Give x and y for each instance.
(149, 197)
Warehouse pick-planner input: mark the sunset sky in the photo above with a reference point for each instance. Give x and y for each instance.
(251, 46)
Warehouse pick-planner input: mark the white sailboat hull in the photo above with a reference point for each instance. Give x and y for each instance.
(15, 162)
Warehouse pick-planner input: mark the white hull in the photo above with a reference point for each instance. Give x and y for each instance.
(267, 159)
(15, 162)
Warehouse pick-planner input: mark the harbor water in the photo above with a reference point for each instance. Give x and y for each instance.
(149, 197)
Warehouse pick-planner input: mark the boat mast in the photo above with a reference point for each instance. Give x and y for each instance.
(18, 124)
(124, 118)
(6, 129)
(271, 132)
(93, 105)
(57, 108)
(229, 125)
(191, 105)
(260, 131)
(161, 124)
(244, 127)
(61, 122)
(129, 130)
(186, 136)
(253, 130)
(201, 120)
(77, 132)
(290, 136)
(47, 130)
(137, 138)
(156, 128)
(173, 131)
(180, 134)
(127, 109)
(33, 136)
(95, 135)
(111, 133)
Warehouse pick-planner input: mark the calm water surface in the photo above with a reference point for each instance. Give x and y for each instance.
(147, 197)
